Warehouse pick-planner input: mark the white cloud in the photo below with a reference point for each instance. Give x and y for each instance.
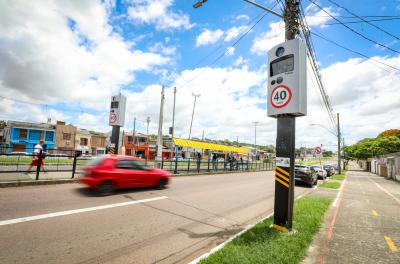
(242, 16)
(233, 32)
(160, 48)
(266, 41)
(208, 37)
(320, 18)
(159, 13)
(365, 96)
(67, 53)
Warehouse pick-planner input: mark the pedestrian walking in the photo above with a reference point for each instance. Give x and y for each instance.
(37, 152)
(214, 161)
(198, 161)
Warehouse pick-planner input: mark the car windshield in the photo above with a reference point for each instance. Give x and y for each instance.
(96, 161)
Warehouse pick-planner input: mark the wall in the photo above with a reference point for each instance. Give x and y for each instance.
(65, 144)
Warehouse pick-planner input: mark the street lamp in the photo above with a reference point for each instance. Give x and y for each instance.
(338, 137)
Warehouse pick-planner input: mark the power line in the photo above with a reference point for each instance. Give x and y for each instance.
(348, 49)
(363, 21)
(225, 52)
(377, 27)
(315, 66)
(352, 30)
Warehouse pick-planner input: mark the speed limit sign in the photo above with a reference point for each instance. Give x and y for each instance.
(280, 96)
(113, 118)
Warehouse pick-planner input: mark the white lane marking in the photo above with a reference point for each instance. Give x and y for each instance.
(77, 211)
(385, 191)
(339, 194)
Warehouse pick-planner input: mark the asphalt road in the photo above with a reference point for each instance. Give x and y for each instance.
(189, 218)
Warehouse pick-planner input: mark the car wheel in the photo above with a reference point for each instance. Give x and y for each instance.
(161, 184)
(106, 188)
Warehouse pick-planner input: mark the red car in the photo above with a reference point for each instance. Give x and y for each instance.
(110, 172)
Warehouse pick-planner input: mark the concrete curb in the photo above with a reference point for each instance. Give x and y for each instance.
(38, 182)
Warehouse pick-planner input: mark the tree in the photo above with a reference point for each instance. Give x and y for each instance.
(389, 133)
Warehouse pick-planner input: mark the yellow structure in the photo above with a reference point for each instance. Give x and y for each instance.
(210, 146)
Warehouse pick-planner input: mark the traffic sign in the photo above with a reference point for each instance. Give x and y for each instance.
(113, 118)
(317, 150)
(280, 96)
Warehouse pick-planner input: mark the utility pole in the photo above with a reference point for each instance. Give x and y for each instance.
(194, 105)
(173, 115)
(255, 138)
(237, 141)
(133, 136)
(338, 144)
(148, 123)
(147, 133)
(173, 128)
(160, 123)
(285, 139)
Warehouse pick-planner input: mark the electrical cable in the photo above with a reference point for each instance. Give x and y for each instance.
(356, 52)
(375, 26)
(362, 21)
(226, 52)
(315, 66)
(352, 30)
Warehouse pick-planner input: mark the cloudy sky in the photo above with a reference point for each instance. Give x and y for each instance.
(65, 59)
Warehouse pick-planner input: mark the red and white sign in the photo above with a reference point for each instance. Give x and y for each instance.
(280, 96)
(317, 150)
(113, 118)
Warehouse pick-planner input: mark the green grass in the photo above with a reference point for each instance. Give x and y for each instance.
(315, 161)
(339, 177)
(263, 244)
(330, 185)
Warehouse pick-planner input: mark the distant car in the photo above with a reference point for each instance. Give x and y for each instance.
(110, 172)
(330, 170)
(304, 174)
(320, 171)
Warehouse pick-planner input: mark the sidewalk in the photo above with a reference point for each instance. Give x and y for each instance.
(363, 224)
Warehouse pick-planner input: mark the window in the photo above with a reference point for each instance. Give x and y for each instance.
(114, 104)
(84, 142)
(282, 65)
(130, 165)
(66, 136)
(23, 133)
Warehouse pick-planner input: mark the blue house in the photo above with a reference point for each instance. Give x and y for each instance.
(23, 136)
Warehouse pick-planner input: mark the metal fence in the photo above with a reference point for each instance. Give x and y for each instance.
(199, 166)
(71, 162)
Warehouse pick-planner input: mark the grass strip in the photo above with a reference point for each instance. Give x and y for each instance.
(330, 185)
(339, 177)
(263, 244)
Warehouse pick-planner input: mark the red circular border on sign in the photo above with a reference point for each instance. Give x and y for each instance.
(285, 104)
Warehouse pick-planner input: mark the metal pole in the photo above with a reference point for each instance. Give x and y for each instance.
(255, 139)
(147, 133)
(194, 105)
(115, 139)
(173, 128)
(160, 123)
(285, 140)
(338, 138)
(133, 136)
